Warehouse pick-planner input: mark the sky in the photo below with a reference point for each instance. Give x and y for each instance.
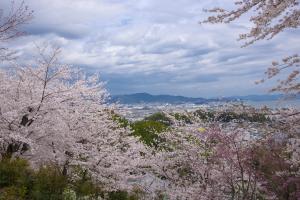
(153, 46)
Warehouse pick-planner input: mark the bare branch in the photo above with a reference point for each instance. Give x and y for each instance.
(10, 26)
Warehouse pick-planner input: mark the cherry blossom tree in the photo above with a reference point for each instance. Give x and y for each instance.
(10, 24)
(280, 146)
(231, 160)
(50, 112)
(269, 18)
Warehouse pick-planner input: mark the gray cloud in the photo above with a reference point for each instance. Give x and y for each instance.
(153, 46)
(69, 31)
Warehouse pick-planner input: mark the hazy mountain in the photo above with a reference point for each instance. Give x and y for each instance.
(148, 98)
(263, 97)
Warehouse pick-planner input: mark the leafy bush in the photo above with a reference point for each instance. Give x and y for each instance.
(148, 132)
(258, 117)
(228, 116)
(159, 117)
(83, 185)
(13, 193)
(148, 129)
(19, 182)
(204, 115)
(183, 118)
(122, 121)
(251, 117)
(14, 173)
(49, 183)
(121, 195)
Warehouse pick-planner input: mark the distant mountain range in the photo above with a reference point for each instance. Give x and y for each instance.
(138, 98)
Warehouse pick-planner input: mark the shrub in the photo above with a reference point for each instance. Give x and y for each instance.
(49, 183)
(205, 115)
(182, 117)
(122, 121)
(227, 117)
(83, 184)
(159, 117)
(258, 117)
(148, 132)
(121, 195)
(13, 193)
(19, 182)
(250, 117)
(14, 172)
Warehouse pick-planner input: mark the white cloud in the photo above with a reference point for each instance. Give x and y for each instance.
(160, 41)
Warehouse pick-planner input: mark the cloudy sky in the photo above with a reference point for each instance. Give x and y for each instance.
(154, 46)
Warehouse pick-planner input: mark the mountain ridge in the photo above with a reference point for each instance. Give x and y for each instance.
(137, 98)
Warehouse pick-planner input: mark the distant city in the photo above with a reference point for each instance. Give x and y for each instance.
(137, 106)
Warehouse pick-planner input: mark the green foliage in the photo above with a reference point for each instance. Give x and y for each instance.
(251, 117)
(122, 195)
(15, 179)
(160, 195)
(83, 185)
(49, 183)
(148, 129)
(229, 116)
(184, 171)
(19, 182)
(148, 132)
(69, 194)
(13, 193)
(14, 173)
(182, 117)
(159, 117)
(258, 117)
(122, 121)
(204, 115)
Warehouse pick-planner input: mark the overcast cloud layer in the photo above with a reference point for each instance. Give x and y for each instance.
(154, 46)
